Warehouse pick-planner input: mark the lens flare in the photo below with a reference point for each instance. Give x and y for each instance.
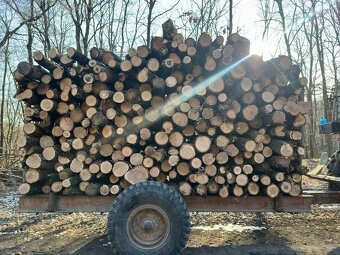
(157, 114)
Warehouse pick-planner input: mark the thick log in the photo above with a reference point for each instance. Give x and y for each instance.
(202, 144)
(272, 190)
(98, 119)
(281, 147)
(76, 166)
(44, 62)
(35, 175)
(37, 161)
(78, 56)
(208, 159)
(65, 173)
(238, 190)
(295, 190)
(72, 181)
(185, 188)
(285, 187)
(210, 170)
(92, 189)
(242, 180)
(136, 174)
(276, 117)
(28, 189)
(253, 188)
(245, 144)
(201, 190)
(222, 158)
(51, 153)
(30, 71)
(120, 168)
(223, 192)
(187, 151)
(265, 180)
(213, 188)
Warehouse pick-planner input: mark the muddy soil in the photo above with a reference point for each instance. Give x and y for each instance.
(212, 233)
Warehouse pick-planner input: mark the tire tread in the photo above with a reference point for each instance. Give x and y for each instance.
(158, 188)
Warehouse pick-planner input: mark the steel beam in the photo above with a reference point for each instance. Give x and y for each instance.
(54, 203)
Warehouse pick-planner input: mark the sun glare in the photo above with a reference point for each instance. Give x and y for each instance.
(264, 48)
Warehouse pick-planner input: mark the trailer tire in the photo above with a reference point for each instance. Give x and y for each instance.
(148, 218)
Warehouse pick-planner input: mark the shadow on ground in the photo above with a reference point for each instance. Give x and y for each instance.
(100, 246)
(266, 242)
(256, 249)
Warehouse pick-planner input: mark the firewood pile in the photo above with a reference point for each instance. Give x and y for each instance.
(202, 116)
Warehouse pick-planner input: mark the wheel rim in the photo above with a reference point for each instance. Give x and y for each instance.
(148, 226)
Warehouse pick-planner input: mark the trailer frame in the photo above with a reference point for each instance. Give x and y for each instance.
(303, 203)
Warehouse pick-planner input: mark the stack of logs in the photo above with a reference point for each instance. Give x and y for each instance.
(202, 116)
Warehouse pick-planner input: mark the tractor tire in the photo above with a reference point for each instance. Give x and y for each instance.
(334, 186)
(148, 218)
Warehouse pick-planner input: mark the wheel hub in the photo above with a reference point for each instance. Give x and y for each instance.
(148, 226)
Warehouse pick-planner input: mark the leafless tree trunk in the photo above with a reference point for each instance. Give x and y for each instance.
(30, 34)
(3, 99)
(137, 24)
(284, 26)
(308, 29)
(9, 32)
(44, 28)
(267, 13)
(124, 21)
(207, 16)
(230, 28)
(338, 7)
(112, 15)
(151, 5)
(319, 30)
(82, 12)
(151, 17)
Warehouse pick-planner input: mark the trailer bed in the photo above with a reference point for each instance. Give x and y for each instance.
(303, 203)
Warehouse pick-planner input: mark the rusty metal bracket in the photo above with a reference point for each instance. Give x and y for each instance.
(301, 203)
(52, 202)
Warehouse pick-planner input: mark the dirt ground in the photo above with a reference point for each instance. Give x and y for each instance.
(212, 233)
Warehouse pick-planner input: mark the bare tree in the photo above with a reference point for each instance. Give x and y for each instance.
(3, 97)
(82, 12)
(9, 32)
(137, 25)
(284, 26)
(319, 27)
(338, 12)
(28, 17)
(308, 29)
(206, 16)
(43, 25)
(151, 16)
(113, 27)
(126, 4)
(266, 9)
(231, 18)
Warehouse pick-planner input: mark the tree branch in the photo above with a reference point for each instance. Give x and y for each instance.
(9, 33)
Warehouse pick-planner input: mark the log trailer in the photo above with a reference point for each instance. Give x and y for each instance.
(151, 217)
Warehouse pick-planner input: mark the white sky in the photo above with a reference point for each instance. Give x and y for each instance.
(247, 18)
